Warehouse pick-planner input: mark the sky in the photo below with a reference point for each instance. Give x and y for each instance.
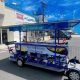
(54, 10)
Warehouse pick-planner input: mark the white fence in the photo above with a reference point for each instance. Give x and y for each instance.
(74, 51)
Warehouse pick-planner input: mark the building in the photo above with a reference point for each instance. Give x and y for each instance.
(11, 17)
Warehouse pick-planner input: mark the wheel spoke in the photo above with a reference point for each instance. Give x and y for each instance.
(74, 76)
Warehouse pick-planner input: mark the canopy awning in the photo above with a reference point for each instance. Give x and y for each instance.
(45, 26)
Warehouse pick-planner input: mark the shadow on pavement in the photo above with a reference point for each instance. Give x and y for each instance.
(28, 72)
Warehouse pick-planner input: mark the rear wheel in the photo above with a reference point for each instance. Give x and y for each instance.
(73, 75)
(20, 62)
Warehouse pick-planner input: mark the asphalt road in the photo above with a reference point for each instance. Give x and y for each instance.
(10, 71)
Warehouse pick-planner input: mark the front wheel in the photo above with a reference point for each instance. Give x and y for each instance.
(74, 75)
(20, 62)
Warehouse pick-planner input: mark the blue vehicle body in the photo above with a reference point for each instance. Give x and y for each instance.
(42, 54)
(52, 56)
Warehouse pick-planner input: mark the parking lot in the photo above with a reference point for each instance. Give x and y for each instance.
(10, 71)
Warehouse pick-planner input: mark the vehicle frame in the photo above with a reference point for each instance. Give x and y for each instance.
(29, 52)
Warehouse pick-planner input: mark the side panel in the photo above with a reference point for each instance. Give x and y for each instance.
(50, 50)
(50, 56)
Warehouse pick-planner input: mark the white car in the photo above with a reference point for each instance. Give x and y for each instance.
(73, 72)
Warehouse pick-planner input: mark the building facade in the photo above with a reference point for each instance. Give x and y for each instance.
(11, 17)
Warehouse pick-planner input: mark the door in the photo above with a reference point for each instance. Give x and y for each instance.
(4, 36)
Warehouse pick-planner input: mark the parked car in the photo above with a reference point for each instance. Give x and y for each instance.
(62, 34)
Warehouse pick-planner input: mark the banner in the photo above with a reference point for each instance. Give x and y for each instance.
(19, 16)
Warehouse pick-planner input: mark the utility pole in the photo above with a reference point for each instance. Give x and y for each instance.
(43, 17)
(43, 6)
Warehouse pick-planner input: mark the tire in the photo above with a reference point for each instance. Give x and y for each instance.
(73, 75)
(20, 63)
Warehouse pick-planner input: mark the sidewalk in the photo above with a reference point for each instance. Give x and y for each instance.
(3, 47)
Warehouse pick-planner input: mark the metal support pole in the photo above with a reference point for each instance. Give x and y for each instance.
(26, 36)
(58, 35)
(1, 36)
(43, 35)
(20, 39)
(55, 45)
(55, 36)
(20, 36)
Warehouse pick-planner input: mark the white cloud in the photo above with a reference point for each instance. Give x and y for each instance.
(51, 17)
(70, 3)
(78, 2)
(66, 4)
(29, 8)
(14, 3)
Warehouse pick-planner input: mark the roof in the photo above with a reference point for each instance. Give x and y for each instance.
(44, 26)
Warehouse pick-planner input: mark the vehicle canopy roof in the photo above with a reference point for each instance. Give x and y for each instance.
(64, 25)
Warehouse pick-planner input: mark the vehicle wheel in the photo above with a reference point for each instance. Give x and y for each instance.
(74, 75)
(20, 63)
